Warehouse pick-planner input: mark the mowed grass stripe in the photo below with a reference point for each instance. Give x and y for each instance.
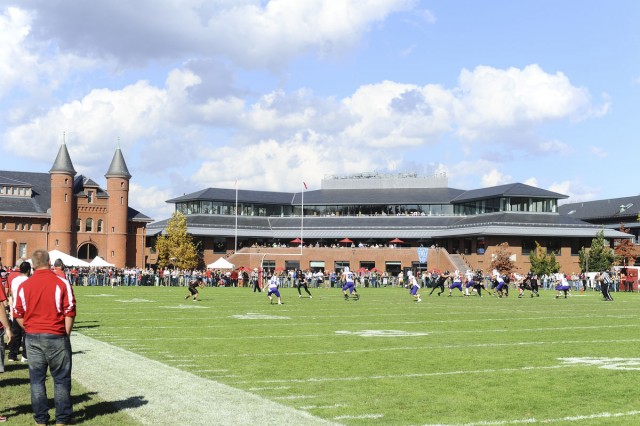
(515, 358)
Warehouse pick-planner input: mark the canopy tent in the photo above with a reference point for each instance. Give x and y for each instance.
(396, 241)
(346, 240)
(99, 262)
(66, 259)
(221, 263)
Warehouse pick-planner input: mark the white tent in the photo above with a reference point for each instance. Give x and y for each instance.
(221, 263)
(66, 259)
(99, 262)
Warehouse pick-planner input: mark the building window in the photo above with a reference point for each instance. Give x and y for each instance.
(88, 225)
(99, 225)
(22, 250)
(113, 229)
(113, 253)
(57, 243)
(78, 225)
(30, 227)
(90, 197)
(66, 198)
(122, 201)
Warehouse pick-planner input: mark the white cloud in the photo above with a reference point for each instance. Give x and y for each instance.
(575, 190)
(598, 151)
(493, 177)
(492, 99)
(532, 181)
(36, 68)
(251, 33)
(151, 201)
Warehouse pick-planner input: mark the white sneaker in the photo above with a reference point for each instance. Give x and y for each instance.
(23, 359)
(310, 297)
(419, 300)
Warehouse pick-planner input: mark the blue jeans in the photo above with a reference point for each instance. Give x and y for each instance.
(52, 351)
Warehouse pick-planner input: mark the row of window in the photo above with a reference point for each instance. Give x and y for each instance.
(512, 204)
(88, 225)
(19, 191)
(22, 226)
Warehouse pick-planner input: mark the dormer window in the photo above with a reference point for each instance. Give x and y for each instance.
(15, 191)
(90, 197)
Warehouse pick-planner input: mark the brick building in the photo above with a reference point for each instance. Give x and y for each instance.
(71, 213)
(461, 228)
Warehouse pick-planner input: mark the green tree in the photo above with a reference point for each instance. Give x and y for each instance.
(176, 247)
(599, 257)
(543, 263)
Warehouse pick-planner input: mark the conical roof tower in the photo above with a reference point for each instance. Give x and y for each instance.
(63, 162)
(118, 167)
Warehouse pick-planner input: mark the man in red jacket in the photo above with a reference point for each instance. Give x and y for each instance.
(46, 309)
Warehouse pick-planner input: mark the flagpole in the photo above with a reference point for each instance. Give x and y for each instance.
(235, 242)
(302, 221)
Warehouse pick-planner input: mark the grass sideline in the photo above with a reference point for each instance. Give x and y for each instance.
(381, 360)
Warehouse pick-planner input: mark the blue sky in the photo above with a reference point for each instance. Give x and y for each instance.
(201, 93)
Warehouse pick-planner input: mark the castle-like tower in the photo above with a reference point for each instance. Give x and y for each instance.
(118, 189)
(63, 203)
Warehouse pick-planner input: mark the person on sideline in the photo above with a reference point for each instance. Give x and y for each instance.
(193, 288)
(46, 310)
(18, 335)
(58, 268)
(414, 286)
(5, 328)
(274, 282)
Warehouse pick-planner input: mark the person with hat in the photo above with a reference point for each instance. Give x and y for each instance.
(193, 288)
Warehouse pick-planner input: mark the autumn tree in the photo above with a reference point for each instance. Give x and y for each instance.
(176, 247)
(598, 257)
(501, 260)
(543, 263)
(625, 251)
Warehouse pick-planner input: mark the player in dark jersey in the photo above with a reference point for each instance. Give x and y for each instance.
(301, 278)
(440, 283)
(193, 288)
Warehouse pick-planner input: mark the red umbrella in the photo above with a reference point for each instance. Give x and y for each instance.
(397, 241)
(376, 270)
(296, 241)
(346, 240)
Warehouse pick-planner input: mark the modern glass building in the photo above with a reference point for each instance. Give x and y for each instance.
(372, 209)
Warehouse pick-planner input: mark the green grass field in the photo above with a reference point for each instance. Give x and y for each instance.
(382, 360)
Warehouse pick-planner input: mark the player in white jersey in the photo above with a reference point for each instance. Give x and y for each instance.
(349, 284)
(274, 283)
(414, 286)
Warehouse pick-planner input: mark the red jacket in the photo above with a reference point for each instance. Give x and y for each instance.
(44, 300)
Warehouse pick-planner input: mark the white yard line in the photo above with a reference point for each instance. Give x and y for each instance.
(156, 394)
(543, 421)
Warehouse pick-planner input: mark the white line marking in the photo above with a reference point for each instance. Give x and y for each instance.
(322, 407)
(545, 421)
(360, 417)
(154, 393)
(411, 375)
